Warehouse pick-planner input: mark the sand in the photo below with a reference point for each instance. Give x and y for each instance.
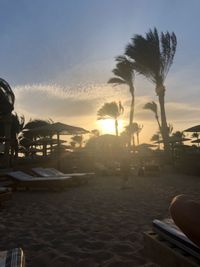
(98, 224)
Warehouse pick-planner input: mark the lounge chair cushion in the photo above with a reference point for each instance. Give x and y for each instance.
(49, 172)
(12, 258)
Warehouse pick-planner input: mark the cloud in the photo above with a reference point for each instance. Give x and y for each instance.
(79, 105)
(40, 100)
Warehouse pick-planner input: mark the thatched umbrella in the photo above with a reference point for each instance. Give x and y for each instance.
(58, 128)
(197, 141)
(194, 129)
(173, 140)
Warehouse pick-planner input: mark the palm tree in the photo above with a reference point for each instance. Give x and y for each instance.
(152, 57)
(111, 110)
(134, 128)
(125, 75)
(7, 100)
(195, 135)
(179, 136)
(154, 108)
(78, 139)
(156, 138)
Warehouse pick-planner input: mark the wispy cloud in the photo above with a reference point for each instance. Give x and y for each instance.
(78, 105)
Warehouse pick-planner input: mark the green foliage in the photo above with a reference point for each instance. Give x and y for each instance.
(151, 106)
(153, 55)
(110, 110)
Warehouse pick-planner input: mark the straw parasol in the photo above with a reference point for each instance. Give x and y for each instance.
(194, 129)
(57, 128)
(174, 139)
(46, 141)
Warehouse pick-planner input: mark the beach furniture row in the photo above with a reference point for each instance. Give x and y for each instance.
(48, 178)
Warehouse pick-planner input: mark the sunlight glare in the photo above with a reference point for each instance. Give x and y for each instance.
(108, 126)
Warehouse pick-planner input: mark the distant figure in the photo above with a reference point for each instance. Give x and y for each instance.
(186, 214)
(125, 168)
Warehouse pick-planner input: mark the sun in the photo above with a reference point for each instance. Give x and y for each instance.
(108, 126)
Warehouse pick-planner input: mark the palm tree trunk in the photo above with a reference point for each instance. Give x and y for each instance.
(138, 141)
(164, 127)
(131, 117)
(116, 127)
(157, 119)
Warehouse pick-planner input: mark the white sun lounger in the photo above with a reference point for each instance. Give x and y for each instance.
(167, 245)
(22, 179)
(48, 172)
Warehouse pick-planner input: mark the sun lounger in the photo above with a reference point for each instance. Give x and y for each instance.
(12, 258)
(5, 194)
(48, 172)
(22, 179)
(168, 246)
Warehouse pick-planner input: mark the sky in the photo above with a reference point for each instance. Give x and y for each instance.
(58, 56)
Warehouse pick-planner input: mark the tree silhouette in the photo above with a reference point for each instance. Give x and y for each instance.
(111, 110)
(153, 107)
(195, 135)
(134, 129)
(156, 138)
(124, 73)
(7, 98)
(152, 57)
(78, 139)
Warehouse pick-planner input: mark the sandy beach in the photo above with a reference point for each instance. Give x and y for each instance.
(98, 224)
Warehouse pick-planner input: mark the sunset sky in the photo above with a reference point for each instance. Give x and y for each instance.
(58, 56)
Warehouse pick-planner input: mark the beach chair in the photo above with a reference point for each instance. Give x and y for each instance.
(167, 245)
(12, 258)
(5, 194)
(79, 178)
(23, 180)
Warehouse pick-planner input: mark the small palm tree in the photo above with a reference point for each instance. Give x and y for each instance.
(178, 135)
(154, 108)
(133, 129)
(156, 138)
(78, 139)
(124, 74)
(195, 135)
(152, 57)
(111, 110)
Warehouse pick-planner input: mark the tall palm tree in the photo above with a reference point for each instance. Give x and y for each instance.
(153, 56)
(111, 110)
(154, 108)
(7, 100)
(124, 74)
